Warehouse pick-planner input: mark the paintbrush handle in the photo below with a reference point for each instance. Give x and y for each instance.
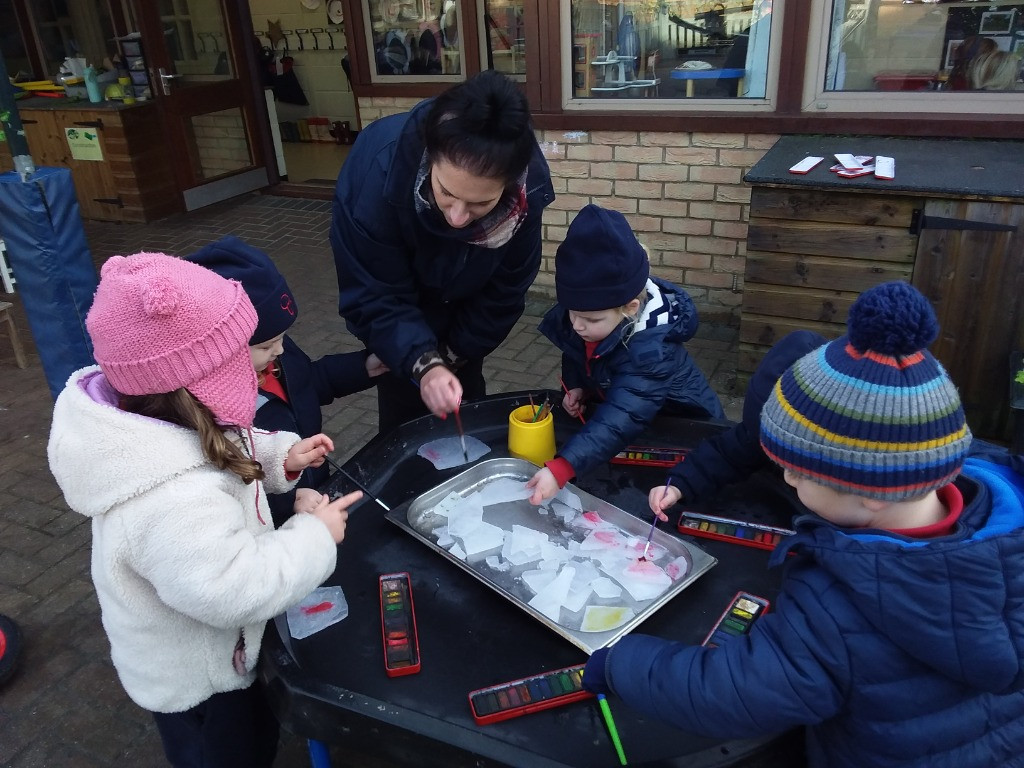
(355, 482)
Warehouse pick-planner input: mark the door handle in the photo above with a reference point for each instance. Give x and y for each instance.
(166, 80)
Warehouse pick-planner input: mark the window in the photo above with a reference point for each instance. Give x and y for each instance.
(81, 29)
(673, 49)
(414, 40)
(912, 56)
(504, 37)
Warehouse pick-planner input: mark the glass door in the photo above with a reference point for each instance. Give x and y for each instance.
(195, 57)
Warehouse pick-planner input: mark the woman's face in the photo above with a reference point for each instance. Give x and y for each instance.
(462, 196)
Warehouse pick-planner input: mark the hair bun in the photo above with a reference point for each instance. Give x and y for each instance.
(892, 319)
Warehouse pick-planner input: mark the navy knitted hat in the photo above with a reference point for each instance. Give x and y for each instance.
(600, 264)
(266, 287)
(872, 413)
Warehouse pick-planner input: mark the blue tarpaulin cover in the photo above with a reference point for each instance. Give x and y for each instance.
(46, 247)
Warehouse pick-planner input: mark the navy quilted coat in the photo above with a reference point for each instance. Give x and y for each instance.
(408, 281)
(309, 384)
(631, 380)
(893, 651)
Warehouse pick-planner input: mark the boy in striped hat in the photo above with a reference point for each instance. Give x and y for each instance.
(898, 635)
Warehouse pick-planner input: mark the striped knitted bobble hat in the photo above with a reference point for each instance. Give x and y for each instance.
(872, 413)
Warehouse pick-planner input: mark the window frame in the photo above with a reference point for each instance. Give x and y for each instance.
(549, 72)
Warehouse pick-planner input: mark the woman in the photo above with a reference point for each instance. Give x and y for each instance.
(436, 233)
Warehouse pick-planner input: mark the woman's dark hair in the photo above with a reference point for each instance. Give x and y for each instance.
(482, 126)
(182, 408)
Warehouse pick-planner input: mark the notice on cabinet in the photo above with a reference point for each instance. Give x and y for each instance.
(84, 144)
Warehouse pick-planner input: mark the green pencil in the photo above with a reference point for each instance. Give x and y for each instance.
(612, 730)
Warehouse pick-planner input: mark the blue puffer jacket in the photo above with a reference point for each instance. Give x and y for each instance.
(309, 384)
(635, 378)
(893, 651)
(408, 281)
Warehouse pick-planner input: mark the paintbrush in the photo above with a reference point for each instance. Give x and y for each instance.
(544, 410)
(462, 434)
(579, 413)
(654, 522)
(358, 485)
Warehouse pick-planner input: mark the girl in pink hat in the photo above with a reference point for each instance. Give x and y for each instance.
(156, 446)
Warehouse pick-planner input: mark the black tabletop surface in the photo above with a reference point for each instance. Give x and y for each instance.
(957, 168)
(332, 685)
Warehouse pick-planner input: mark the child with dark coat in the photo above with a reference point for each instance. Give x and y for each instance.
(736, 453)
(292, 388)
(898, 634)
(621, 332)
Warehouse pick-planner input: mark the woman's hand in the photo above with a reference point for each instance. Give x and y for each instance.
(308, 453)
(375, 366)
(661, 498)
(544, 486)
(573, 402)
(334, 514)
(441, 391)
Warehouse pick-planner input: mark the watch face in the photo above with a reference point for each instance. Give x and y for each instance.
(335, 12)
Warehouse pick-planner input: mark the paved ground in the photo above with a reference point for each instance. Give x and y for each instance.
(64, 708)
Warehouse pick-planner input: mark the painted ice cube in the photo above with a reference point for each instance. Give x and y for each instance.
(446, 452)
(678, 568)
(601, 618)
(591, 521)
(603, 540)
(643, 579)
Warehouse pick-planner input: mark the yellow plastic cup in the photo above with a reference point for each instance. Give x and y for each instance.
(529, 439)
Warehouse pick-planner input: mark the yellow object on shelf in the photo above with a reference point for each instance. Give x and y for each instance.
(40, 85)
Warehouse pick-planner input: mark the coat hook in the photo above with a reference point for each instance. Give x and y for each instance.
(330, 37)
(316, 40)
(299, 33)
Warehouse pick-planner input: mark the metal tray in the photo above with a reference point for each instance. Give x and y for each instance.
(418, 519)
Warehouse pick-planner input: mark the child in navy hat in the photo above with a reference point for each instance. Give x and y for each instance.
(898, 635)
(621, 332)
(292, 388)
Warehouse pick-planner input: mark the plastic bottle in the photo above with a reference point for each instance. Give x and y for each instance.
(92, 86)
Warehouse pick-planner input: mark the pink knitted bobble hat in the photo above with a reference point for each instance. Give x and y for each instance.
(159, 323)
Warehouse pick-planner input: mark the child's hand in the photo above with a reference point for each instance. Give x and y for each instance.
(661, 498)
(334, 514)
(441, 391)
(308, 453)
(305, 500)
(544, 486)
(375, 366)
(573, 402)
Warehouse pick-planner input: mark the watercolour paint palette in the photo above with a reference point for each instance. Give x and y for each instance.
(571, 563)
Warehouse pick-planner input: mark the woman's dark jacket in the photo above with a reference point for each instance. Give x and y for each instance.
(309, 385)
(408, 283)
(631, 380)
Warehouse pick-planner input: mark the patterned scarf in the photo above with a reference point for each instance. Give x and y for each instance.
(492, 230)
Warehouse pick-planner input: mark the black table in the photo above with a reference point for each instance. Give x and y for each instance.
(332, 686)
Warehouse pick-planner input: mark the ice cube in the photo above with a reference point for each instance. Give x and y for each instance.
(550, 599)
(605, 588)
(601, 618)
(569, 498)
(496, 563)
(678, 568)
(538, 579)
(643, 579)
(603, 540)
(482, 538)
(458, 551)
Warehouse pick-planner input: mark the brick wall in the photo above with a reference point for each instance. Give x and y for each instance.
(683, 193)
(220, 140)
